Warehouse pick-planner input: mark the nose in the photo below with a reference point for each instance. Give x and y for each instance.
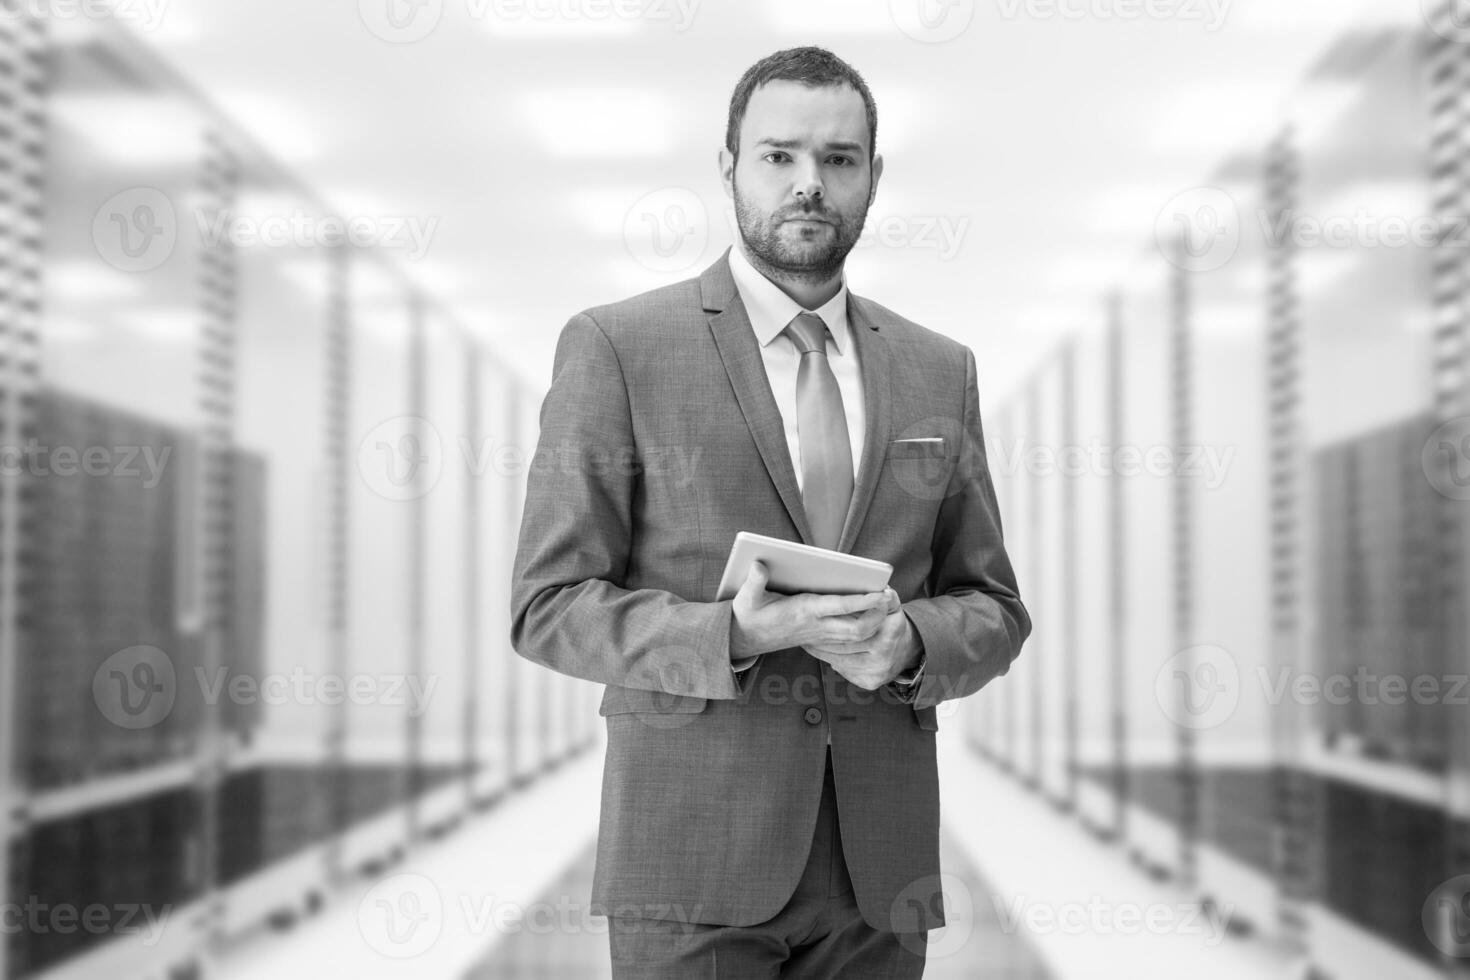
(808, 183)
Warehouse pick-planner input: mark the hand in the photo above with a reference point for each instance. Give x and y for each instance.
(763, 621)
(871, 663)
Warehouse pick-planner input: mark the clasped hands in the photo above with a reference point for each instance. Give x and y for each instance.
(865, 638)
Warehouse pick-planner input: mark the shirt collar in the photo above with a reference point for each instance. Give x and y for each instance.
(770, 309)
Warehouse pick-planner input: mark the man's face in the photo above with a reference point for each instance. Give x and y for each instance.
(802, 183)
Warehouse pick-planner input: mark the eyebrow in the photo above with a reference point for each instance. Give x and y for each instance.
(795, 144)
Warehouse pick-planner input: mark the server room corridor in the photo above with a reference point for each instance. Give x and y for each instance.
(284, 288)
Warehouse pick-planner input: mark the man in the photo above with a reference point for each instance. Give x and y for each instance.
(770, 799)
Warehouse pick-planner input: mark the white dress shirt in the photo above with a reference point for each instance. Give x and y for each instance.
(770, 310)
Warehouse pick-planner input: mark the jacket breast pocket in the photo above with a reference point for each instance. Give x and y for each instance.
(624, 700)
(935, 447)
(920, 467)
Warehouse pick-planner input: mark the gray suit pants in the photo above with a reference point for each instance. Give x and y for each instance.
(818, 935)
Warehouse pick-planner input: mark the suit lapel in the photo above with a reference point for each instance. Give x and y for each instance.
(872, 353)
(741, 355)
(735, 340)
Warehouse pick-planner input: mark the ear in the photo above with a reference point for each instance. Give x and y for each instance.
(877, 172)
(726, 161)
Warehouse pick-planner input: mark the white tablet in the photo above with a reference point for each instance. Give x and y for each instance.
(795, 567)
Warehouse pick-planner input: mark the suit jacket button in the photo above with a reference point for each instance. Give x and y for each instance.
(813, 716)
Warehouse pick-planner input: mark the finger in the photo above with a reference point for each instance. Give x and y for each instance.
(894, 604)
(846, 605)
(850, 629)
(753, 589)
(832, 652)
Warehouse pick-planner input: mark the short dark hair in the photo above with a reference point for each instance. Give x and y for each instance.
(812, 66)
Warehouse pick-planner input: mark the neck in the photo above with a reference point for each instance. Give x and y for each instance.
(811, 288)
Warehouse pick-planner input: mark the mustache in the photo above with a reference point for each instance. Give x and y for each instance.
(812, 212)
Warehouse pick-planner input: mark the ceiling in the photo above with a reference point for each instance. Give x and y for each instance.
(544, 141)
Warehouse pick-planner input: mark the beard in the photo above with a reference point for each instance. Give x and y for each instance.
(808, 262)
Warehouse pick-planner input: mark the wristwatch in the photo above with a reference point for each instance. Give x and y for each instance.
(907, 683)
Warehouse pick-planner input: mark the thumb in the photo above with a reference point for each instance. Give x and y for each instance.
(753, 590)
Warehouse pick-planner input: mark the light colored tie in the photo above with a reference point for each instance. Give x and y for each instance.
(821, 429)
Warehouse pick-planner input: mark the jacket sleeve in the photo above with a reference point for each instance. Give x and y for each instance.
(569, 608)
(972, 622)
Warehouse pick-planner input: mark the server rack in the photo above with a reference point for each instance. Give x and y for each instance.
(1095, 766)
(1335, 543)
(1068, 590)
(1054, 663)
(263, 545)
(1002, 699)
(1023, 687)
(1295, 800)
(274, 795)
(985, 714)
(500, 466)
(1227, 477)
(1120, 784)
(479, 611)
(1447, 83)
(339, 464)
(388, 441)
(1156, 677)
(21, 50)
(1366, 359)
(442, 759)
(528, 688)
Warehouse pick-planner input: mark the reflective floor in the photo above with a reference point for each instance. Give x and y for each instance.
(990, 954)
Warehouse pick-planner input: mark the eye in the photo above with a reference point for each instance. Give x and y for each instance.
(770, 157)
(840, 159)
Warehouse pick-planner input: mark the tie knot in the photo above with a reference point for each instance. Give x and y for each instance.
(809, 332)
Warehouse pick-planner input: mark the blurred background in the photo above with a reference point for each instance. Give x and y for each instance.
(281, 284)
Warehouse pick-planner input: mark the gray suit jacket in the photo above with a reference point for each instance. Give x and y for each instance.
(660, 440)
